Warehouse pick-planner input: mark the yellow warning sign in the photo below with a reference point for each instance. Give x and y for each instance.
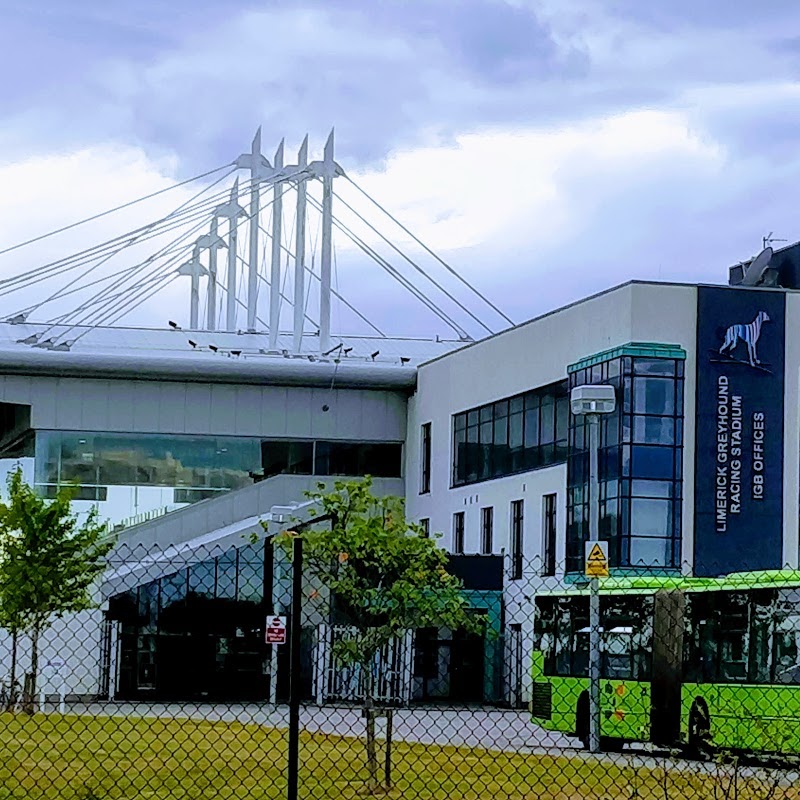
(596, 559)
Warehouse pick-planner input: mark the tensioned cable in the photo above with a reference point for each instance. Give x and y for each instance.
(269, 286)
(157, 289)
(133, 241)
(98, 315)
(117, 208)
(336, 294)
(156, 281)
(401, 279)
(416, 266)
(103, 297)
(431, 252)
(171, 221)
(144, 264)
(102, 294)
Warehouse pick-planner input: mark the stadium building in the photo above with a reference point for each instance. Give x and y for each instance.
(187, 438)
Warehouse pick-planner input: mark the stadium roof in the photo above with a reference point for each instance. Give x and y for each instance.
(217, 356)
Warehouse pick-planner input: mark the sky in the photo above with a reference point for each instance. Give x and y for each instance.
(546, 149)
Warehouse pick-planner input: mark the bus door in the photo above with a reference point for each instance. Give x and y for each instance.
(665, 687)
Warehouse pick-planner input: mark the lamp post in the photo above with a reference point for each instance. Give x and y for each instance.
(591, 402)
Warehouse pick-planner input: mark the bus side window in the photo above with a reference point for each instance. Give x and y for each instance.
(733, 630)
(786, 643)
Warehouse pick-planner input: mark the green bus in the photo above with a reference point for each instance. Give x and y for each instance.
(698, 663)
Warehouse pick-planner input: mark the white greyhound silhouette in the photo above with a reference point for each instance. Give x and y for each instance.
(749, 334)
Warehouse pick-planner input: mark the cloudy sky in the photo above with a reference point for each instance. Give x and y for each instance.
(546, 148)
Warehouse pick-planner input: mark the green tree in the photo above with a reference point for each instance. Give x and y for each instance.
(50, 561)
(12, 618)
(385, 577)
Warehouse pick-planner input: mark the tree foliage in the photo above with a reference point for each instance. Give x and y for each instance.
(49, 561)
(385, 578)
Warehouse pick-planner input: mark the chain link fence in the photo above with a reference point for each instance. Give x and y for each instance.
(224, 673)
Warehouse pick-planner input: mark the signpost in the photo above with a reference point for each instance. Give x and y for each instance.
(596, 568)
(276, 630)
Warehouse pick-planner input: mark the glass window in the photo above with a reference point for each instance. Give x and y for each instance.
(202, 578)
(787, 637)
(226, 575)
(652, 462)
(547, 429)
(517, 538)
(459, 456)
(649, 552)
(487, 530)
(653, 430)
(654, 396)
(733, 636)
(654, 366)
(250, 582)
(425, 478)
(458, 532)
(640, 488)
(651, 517)
(287, 458)
(550, 534)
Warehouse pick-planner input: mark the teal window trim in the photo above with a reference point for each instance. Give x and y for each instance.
(640, 349)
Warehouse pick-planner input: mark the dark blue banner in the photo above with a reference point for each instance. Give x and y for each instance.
(739, 444)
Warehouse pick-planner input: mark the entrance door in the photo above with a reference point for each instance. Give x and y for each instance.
(467, 668)
(665, 690)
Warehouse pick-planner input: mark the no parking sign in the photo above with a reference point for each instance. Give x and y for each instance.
(276, 630)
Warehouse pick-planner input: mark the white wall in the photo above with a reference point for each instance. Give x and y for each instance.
(527, 357)
(75, 640)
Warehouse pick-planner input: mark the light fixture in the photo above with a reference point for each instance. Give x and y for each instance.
(193, 344)
(375, 354)
(347, 350)
(404, 360)
(236, 352)
(213, 347)
(174, 325)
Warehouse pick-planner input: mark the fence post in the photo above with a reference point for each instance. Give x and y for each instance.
(295, 688)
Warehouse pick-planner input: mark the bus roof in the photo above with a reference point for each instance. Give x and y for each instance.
(650, 584)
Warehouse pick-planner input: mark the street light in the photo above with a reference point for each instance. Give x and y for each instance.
(590, 402)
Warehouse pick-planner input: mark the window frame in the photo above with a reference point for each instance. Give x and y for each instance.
(425, 458)
(487, 530)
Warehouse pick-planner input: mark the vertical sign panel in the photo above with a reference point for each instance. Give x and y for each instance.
(739, 446)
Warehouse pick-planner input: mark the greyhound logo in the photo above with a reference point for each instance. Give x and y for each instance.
(749, 334)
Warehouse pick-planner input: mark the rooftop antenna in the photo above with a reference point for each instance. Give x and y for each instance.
(769, 239)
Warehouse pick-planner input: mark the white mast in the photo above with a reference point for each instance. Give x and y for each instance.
(300, 251)
(275, 274)
(328, 171)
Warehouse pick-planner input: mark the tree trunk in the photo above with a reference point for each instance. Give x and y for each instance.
(30, 700)
(372, 754)
(388, 764)
(12, 688)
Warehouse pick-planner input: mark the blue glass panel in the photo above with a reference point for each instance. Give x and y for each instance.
(654, 396)
(652, 462)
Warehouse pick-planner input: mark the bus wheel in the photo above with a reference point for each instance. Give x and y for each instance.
(700, 729)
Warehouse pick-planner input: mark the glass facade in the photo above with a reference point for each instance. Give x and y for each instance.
(518, 434)
(198, 632)
(640, 465)
(196, 466)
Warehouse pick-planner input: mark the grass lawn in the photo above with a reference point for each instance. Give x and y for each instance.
(99, 758)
